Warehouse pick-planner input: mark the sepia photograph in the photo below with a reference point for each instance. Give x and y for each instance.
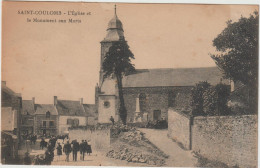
(129, 84)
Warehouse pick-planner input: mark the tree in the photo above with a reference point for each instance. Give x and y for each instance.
(238, 58)
(215, 100)
(117, 64)
(197, 97)
(209, 100)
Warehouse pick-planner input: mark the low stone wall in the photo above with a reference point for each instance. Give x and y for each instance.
(179, 128)
(99, 138)
(229, 139)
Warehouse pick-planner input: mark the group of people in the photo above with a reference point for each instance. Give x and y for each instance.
(49, 153)
(52, 142)
(32, 138)
(56, 142)
(48, 156)
(75, 147)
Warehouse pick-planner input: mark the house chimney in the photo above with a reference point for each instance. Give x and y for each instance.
(55, 100)
(4, 83)
(81, 101)
(33, 99)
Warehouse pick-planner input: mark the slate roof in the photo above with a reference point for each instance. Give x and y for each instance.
(70, 108)
(43, 108)
(28, 106)
(90, 110)
(115, 23)
(115, 30)
(9, 91)
(173, 77)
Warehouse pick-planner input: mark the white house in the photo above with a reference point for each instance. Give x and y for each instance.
(71, 114)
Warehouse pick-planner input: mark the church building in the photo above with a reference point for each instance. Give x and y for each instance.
(148, 93)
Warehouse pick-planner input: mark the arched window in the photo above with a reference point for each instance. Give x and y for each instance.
(142, 101)
(48, 114)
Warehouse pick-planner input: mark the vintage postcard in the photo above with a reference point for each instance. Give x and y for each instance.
(129, 84)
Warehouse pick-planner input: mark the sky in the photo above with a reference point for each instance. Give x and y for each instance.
(43, 60)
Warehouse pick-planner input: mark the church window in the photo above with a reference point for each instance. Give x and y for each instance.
(106, 104)
(142, 101)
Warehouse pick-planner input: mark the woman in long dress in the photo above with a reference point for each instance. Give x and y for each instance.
(89, 150)
(59, 151)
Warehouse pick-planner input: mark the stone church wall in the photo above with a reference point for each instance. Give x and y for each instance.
(156, 98)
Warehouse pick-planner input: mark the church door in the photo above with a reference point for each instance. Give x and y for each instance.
(156, 115)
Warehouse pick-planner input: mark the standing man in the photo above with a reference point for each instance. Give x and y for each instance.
(42, 143)
(48, 157)
(27, 160)
(67, 150)
(75, 150)
(59, 151)
(82, 149)
(112, 120)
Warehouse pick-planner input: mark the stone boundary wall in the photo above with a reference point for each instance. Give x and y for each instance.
(229, 139)
(99, 138)
(179, 128)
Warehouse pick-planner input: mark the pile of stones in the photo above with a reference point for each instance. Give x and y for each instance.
(133, 136)
(137, 157)
(136, 138)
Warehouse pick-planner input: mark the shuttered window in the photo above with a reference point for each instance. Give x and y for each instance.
(76, 122)
(73, 122)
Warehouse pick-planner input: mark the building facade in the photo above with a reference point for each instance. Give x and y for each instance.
(71, 114)
(10, 124)
(27, 117)
(46, 120)
(91, 114)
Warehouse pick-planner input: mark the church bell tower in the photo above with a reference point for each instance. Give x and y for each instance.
(115, 33)
(107, 101)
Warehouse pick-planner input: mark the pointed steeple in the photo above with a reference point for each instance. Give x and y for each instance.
(115, 30)
(115, 9)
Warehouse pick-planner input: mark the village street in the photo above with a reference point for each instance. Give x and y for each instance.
(177, 156)
(95, 159)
